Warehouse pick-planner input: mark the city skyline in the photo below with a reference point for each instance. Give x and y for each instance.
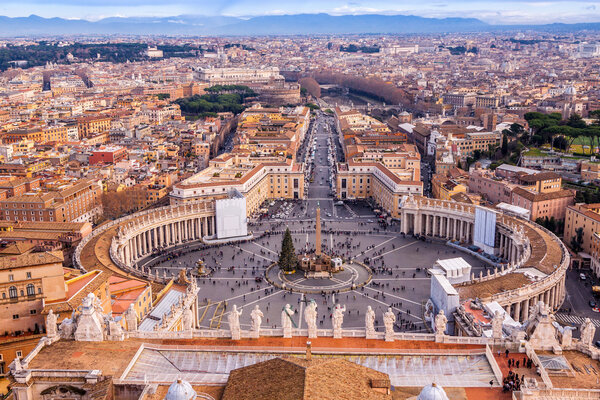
(495, 13)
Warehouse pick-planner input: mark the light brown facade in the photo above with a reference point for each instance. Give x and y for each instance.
(25, 281)
(585, 216)
(77, 203)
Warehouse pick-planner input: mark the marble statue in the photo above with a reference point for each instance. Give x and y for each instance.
(18, 365)
(91, 319)
(286, 321)
(370, 323)
(497, 322)
(389, 319)
(337, 319)
(115, 331)
(257, 317)
(234, 323)
(588, 330)
(67, 328)
(187, 319)
(310, 317)
(131, 318)
(567, 336)
(440, 323)
(51, 330)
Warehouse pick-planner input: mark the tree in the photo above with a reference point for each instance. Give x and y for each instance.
(596, 115)
(516, 129)
(287, 257)
(311, 86)
(575, 121)
(504, 145)
(577, 240)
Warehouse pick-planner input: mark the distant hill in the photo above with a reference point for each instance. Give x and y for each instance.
(298, 24)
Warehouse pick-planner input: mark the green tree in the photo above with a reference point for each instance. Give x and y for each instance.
(596, 115)
(504, 145)
(287, 257)
(577, 240)
(516, 129)
(575, 121)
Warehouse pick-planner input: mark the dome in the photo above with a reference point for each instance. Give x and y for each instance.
(571, 91)
(432, 392)
(180, 390)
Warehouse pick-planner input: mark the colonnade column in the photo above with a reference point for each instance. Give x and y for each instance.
(525, 310)
(518, 311)
(139, 246)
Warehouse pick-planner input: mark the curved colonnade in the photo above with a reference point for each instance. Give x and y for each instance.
(166, 227)
(529, 248)
(117, 245)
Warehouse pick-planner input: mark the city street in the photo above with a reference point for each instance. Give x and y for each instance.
(576, 306)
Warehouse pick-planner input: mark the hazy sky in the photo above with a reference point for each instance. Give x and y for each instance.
(494, 12)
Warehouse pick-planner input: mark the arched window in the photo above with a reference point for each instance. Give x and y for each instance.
(12, 292)
(30, 290)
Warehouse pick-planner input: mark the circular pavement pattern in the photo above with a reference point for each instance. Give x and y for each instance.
(351, 277)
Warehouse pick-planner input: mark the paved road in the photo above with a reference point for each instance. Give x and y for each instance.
(576, 307)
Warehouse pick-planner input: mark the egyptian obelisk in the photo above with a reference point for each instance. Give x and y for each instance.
(318, 238)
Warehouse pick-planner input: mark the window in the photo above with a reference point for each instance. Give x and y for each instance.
(19, 353)
(30, 290)
(12, 292)
(15, 316)
(11, 277)
(29, 275)
(32, 312)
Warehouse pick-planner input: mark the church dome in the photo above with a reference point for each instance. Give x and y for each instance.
(432, 392)
(180, 390)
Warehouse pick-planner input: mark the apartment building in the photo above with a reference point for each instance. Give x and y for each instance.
(15, 186)
(92, 125)
(238, 76)
(79, 202)
(256, 178)
(271, 131)
(492, 188)
(373, 180)
(108, 155)
(35, 134)
(26, 281)
(458, 100)
(590, 171)
(544, 204)
(587, 217)
(486, 101)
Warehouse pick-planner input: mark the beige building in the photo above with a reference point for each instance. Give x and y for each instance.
(27, 281)
(366, 178)
(256, 178)
(586, 216)
(590, 170)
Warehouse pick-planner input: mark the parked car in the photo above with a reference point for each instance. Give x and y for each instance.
(582, 277)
